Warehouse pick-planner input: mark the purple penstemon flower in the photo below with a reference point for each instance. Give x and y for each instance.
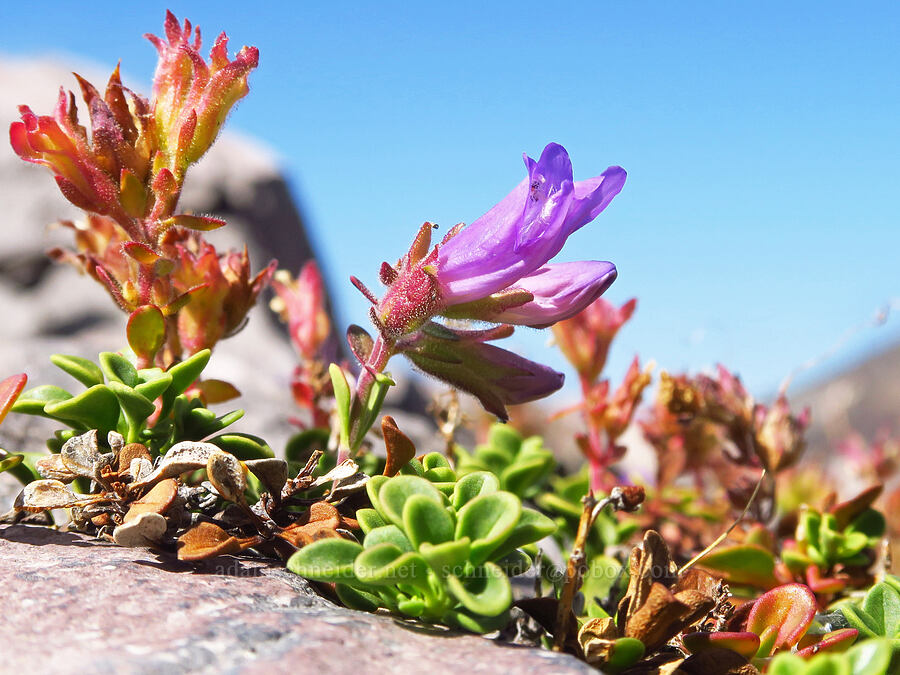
(495, 270)
(524, 231)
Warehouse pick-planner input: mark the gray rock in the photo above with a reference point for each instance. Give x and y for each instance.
(75, 605)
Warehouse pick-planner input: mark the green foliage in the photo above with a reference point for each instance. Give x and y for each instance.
(522, 465)
(878, 614)
(823, 542)
(122, 398)
(870, 657)
(435, 547)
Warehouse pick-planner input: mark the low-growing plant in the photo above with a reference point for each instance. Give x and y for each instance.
(436, 549)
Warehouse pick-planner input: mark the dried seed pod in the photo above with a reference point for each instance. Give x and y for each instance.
(145, 530)
(227, 476)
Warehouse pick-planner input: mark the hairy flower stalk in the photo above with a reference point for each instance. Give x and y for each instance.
(495, 270)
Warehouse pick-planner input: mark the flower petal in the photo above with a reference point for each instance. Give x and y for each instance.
(560, 292)
(592, 196)
(515, 237)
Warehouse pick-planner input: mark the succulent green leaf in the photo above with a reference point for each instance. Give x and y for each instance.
(184, 373)
(447, 558)
(882, 604)
(441, 474)
(412, 607)
(369, 519)
(386, 564)
(871, 657)
(33, 401)
(505, 438)
(870, 523)
(626, 652)
(513, 563)
(531, 526)
(860, 620)
(95, 408)
(387, 534)
(153, 387)
(118, 369)
(325, 560)
(243, 446)
(487, 592)
(373, 487)
(787, 664)
(488, 520)
(476, 624)
(84, 370)
(10, 462)
(135, 406)
(426, 521)
(520, 476)
(393, 495)
(435, 460)
(356, 598)
(412, 468)
(473, 485)
(146, 331)
(342, 399)
(745, 564)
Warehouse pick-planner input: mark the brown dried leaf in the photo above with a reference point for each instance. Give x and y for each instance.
(41, 495)
(181, 457)
(81, 454)
(400, 449)
(157, 500)
(597, 638)
(272, 473)
(227, 476)
(130, 452)
(207, 540)
(52, 467)
(144, 530)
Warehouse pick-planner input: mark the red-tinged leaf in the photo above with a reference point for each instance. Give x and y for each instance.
(421, 244)
(836, 641)
(141, 252)
(132, 195)
(400, 449)
(360, 342)
(10, 389)
(823, 585)
(146, 331)
(215, 391)
(201, 223)
(845, 512)
(781, 617)
(746, 644)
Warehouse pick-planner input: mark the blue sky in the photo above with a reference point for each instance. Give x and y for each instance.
(759, 220)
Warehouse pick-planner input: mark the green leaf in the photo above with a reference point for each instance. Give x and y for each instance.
(871, 657)
(870, 523)
(745, 564)
(786, 664)
(531, 526)
(387, 534)
(84, 370)
(882, 604)
(505, 438)
(441, 474)
(472, 485)
(626, 652)
(326, 560)
(118, 369)
(476, 624)
(426, 521)
(146, 331)
(369, 519)
(356, 598)
(435, 460)
(447, 558)
(412, 607)
(302, 444)
(514, 563)
(371, 407)
(860, 620)
(135, 406)
(184, 373)
(10, 462)
(393, 495)
(33, 401)
(373, 487)
(522, 475)
(488, 520)
(342, 398)
(386, 564)
(152, 388)
(487, 592)
(95, 408)
(243, 446)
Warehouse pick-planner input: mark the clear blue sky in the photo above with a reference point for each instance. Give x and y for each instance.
(760, 216)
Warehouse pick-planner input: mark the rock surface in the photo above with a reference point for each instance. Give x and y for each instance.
(71, 604)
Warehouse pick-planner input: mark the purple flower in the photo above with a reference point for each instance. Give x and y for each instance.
(525, 230)
(559, 292)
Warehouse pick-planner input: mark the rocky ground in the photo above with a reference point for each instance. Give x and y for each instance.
(71, 604)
